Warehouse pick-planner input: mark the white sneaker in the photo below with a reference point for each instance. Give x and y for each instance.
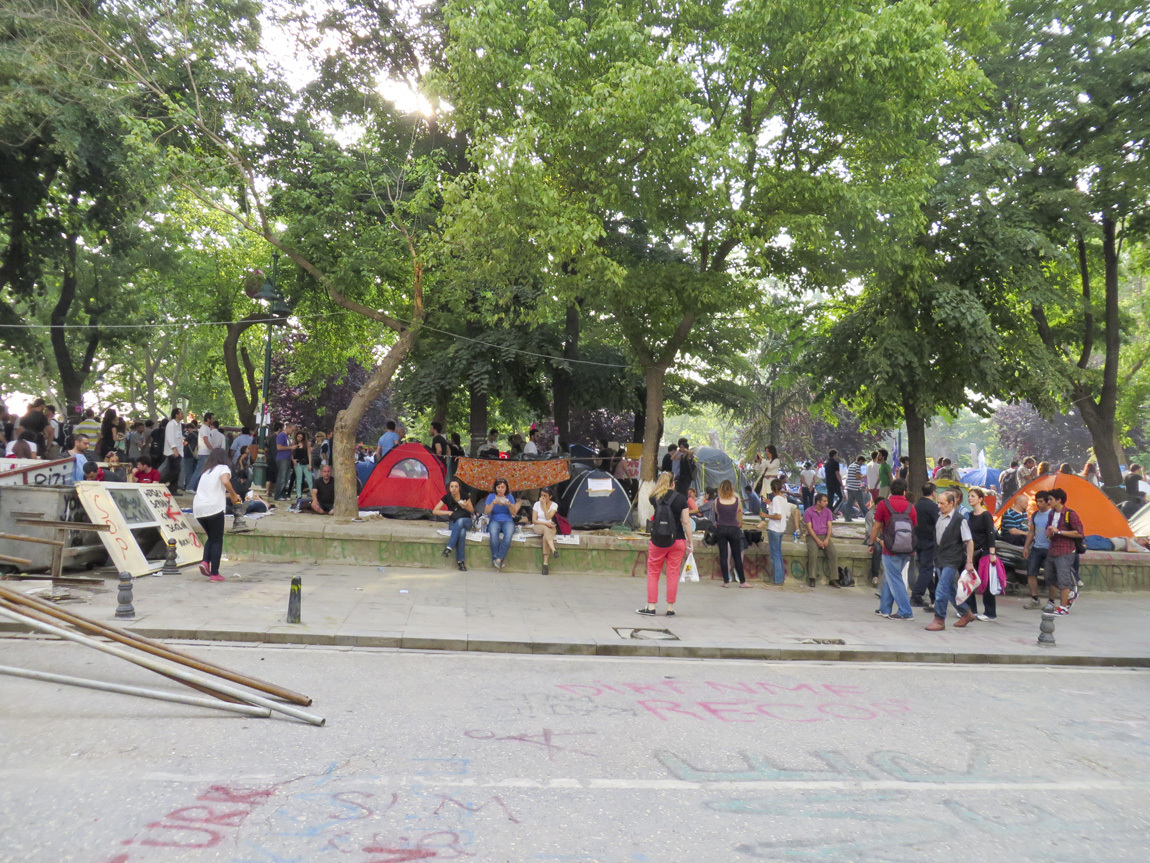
(982, 617)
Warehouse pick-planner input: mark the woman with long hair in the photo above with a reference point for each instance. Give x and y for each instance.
(107, 439)
(670, 540)
(773, 466)
(543, 523)
(460, 511)
(501, 507)
(208, 506)
(778, 511)
(301, 460)
(1090, 474)
(982, 532)
(729, 532)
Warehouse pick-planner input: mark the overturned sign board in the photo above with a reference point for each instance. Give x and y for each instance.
(140, 518)
(31, 471)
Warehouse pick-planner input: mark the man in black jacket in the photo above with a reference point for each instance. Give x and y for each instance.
(953, 545)
(922, 593)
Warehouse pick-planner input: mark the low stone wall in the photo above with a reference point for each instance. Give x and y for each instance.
(317, 540)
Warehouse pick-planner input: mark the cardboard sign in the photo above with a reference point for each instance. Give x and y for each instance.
(30, 471)
(125, 507)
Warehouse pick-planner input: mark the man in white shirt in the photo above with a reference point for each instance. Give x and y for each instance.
(174, 449)
(872, 470)
(203, 448)
(531, 448)
(216, 437)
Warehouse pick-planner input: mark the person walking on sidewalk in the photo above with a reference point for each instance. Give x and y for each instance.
(926, 510)
(856, 490)
(953, 546)
(1037, 546)
(982, 534)
(670, 541)
(1064, 533)
(501, 508)
(895, 518)
(460, 511)
(212, 495)
(817, 525)
(174, 450)
(729, 532)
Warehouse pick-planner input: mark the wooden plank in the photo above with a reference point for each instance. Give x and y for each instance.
(65, 525)
(17, 538)
(19, 561)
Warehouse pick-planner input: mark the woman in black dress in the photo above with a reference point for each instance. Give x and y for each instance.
(982, 532)
(729, 532)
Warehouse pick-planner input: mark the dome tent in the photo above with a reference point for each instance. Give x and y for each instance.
(1100, 517)
(406, 483)
(594, 500)
(715, 466)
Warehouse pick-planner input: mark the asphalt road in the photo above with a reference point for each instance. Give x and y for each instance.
(477, 757)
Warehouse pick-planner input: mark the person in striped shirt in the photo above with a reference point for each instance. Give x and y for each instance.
(856, 490)
(1015, 525)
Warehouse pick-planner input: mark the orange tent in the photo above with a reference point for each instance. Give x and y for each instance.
(1098, 513)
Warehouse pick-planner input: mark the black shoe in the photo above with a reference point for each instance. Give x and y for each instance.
(810, 582)
(447, 551)
(670, 613)
(462, 566)
(649, 612)
(545, 572)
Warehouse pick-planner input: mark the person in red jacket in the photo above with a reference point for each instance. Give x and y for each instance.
(896, 520)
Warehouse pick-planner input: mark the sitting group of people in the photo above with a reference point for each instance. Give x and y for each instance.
(502, 511)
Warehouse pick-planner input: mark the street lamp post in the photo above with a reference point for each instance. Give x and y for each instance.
(278, 310)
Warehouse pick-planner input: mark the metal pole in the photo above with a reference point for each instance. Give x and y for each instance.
(246, 709)
(149, 645)
(163, 668)
(260, 468)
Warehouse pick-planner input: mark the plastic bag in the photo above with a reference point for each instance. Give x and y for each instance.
(967, 584)
(992, 582)
(690, 569)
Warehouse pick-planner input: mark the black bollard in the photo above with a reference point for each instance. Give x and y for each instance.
(170, 567)
(124, 597)
(294, 599)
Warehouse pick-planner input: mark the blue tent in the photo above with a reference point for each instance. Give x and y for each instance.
(984, 477)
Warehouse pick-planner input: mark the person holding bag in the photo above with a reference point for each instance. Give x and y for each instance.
(458, 507)
(543, 523)
(670, 540)
(983, 535)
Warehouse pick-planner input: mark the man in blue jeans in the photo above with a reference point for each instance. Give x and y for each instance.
(953, 551)
(283, 448)
(895, 518)
(1037, 546)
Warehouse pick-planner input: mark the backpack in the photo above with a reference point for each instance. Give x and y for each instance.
(898, 532)
(1009, 483)
(1064, 524)
(663, 523)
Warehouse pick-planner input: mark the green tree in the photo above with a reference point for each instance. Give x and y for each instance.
(658, 156)
(1071, 100)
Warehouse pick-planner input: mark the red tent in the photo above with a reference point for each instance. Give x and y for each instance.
(408, 476)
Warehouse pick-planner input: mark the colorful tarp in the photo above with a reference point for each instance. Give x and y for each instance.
(481, 473)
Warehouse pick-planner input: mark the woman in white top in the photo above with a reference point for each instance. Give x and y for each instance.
(543, 523)
(773, 466)
(778, 514)
(212, 496)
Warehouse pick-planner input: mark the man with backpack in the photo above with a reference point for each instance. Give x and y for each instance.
(683, 466)
(896, 520)
(1066, 535)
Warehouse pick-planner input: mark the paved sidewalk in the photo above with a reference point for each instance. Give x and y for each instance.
(578, 614)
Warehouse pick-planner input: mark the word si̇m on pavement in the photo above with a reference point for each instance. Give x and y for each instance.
(744, 702)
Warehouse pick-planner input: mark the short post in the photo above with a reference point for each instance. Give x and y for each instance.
(1046, 630)
(124, 597)
(294, 599)
(170, 567)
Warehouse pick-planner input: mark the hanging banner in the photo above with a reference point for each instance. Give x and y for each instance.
(31, 471)
(130, 507)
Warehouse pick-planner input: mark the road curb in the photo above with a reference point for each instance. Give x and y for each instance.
(624, 648)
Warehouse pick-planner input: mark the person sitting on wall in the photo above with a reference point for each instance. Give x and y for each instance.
(323, 493)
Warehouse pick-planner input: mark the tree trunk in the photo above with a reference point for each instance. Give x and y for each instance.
(640, 432)
(915, 448)
(654, 377)
(1101, 427)
(347, 424)
(562, 378)
(72, 376)
(242, 385)
(478, 419)
(442, 397)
